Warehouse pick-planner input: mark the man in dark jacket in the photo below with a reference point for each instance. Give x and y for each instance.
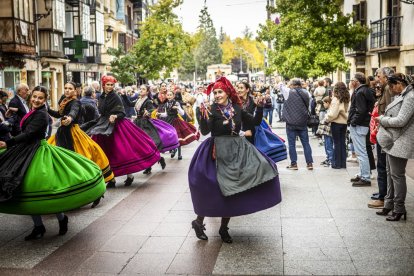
(383, 101)
(89, 106)
(20, 102)
(362, 103)
(295, 114)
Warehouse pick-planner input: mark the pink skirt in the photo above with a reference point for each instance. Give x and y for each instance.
(129, 149)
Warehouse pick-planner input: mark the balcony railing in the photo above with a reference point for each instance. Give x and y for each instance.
(358, 49)
(386, 33)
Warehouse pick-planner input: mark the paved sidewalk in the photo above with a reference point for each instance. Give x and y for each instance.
(322, 226)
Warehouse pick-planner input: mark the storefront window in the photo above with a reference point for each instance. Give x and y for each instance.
(11, 79)
(46, 76)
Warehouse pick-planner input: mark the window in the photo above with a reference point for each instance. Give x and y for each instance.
(360, 13)
(409, 70)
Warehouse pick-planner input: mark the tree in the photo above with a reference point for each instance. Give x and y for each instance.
(247, 33)
(162, 42)
(122, 65)
(208, 50)
(310, 37)
(251, 51)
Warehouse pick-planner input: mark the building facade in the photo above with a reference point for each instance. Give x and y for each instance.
(49, 42)
(390, 42)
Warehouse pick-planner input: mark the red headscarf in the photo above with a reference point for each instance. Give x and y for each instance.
(106, 79)
(225, 85)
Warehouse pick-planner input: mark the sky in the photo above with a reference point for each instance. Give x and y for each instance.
(232, 15)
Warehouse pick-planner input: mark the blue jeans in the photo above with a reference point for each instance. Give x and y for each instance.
(304, 139)
(279, 108)
(338, 137)
(328, 142)
(268, 112)
(358, 135)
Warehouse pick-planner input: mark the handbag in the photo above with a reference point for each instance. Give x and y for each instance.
(313, 120)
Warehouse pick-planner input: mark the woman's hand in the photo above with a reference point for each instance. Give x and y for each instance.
(10, 111)
(248, 133)
(66, 120)
(174, 107)
(376, 119)
(112, 118)
(3, 145)
(259, 101)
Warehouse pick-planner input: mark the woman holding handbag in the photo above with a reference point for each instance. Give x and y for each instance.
(395, 136)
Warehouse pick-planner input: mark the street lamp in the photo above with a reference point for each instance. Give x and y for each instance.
(48, 8)
(109, 32)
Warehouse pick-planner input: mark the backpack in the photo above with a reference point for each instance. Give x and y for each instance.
(280, 98)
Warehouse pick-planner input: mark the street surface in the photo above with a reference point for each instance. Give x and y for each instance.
(322, 226)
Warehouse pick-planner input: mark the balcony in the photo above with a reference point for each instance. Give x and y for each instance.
(18, 36)
(386, 34)
(359, 49)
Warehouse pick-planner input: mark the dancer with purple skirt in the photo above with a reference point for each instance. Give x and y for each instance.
(128, 148)
(164, 135)
(228, 176)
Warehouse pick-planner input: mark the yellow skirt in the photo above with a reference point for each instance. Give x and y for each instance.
(85, 146)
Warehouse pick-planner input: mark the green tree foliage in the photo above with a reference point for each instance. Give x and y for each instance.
(162, 43)
(208, 49)
(310, 38)
(122, 66)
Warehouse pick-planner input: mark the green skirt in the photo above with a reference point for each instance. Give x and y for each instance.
(57, 180)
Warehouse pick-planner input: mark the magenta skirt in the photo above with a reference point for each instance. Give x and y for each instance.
(129, 149)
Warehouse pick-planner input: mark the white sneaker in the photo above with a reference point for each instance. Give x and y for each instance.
(372, 176)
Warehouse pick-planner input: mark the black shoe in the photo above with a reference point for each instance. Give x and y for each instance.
(96, 202)
(383, 212)
(173, 152)
(224, 234)
(63, 226)
(199, 230)
(397, 216)
(111, 184)
(128, 181)
(162, 163)
(147, 171)
(355, 179)
(361, 183)
(37, 232)
(180, 157)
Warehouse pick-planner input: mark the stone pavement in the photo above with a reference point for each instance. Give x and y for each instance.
(322, 227)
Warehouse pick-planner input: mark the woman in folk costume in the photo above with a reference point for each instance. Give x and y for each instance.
(168, 112)
(129, 149)
(228, 176)
(164, 135)
(71, 137)
(262, 137)
(189, 102)
(37, 178)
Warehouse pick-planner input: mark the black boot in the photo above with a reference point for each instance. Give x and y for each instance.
(397, 216)
(224, 234)
(111, 184)
(162, 163)
(383, 212)
(147, 171)
(173, 152)
(63, 226)
(199, 230)
(37, 232)
(128, 181)
(96, 202)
